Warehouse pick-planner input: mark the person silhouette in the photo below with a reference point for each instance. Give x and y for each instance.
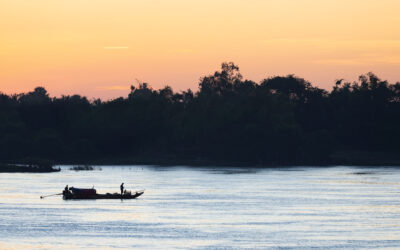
(122, 188)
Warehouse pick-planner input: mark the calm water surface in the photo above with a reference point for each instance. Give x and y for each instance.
(200, 208)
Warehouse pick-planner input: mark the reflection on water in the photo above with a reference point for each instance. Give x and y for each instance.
(340, 207)
(361, 173)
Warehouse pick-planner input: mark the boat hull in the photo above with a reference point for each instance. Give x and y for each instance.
(102, 196)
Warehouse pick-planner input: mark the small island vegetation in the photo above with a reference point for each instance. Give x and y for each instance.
(283, 120)
(83, 168)
(29, 168)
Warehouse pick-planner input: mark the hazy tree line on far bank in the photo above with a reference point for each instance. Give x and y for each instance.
(281, 120)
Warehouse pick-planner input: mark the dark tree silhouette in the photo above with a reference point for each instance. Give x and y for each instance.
(281, 120)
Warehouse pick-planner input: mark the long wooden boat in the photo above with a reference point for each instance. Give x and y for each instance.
(95, 196)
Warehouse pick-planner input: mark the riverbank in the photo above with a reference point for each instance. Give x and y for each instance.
(364, 158)
(14, 168)
(349, 158)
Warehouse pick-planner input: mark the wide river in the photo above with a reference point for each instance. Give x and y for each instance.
(204, 208)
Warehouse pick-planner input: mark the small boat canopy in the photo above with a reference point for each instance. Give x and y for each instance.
(83, 191)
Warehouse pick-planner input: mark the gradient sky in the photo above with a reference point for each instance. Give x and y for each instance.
(98, 48)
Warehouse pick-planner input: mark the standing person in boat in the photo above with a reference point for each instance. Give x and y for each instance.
(65, 190)
(122, 188)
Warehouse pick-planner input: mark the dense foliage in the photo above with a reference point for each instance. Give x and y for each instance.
(280, 120)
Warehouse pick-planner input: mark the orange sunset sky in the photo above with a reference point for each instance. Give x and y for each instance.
(98, 48)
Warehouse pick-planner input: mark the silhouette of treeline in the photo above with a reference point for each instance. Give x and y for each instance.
(281, 120)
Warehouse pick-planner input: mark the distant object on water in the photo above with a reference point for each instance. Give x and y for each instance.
(83, 168)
